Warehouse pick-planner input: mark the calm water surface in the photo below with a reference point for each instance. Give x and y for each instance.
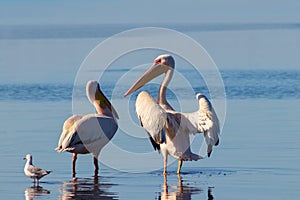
(258, 157)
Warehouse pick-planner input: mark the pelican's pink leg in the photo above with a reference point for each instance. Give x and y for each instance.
(74, 164)
(165, 164)
(96, 166)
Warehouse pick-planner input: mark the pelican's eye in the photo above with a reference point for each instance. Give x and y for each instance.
(157, 61)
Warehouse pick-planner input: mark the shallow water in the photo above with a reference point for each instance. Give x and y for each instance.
(258, 157)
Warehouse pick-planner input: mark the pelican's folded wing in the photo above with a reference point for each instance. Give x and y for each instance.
(68, 131)
(93, 127)
(152, 117)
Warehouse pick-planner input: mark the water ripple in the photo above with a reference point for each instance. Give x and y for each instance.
(245, 84)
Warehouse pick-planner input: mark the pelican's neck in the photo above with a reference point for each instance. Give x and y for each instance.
(162, 93)
(102, 109)
(97, 98)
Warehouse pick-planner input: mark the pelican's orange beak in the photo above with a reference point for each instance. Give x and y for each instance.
(101, 99)
(97, 98)
(154, 71)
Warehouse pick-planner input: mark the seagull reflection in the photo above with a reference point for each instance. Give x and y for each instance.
(87, 188)
(180, 191)
(34, 192)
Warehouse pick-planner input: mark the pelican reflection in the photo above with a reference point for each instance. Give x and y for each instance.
(181, 190)
(34, 192)
(87, 188)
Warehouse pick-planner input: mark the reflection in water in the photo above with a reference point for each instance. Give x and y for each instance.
(181, 191)
(87, 188)
(209, 194)
(35, 191)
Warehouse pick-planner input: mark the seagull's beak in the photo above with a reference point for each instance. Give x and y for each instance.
(100, 98)
(24, 158)
(154, 71)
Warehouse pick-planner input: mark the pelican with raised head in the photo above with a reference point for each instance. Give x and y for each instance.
(83, 134)
(168, 129)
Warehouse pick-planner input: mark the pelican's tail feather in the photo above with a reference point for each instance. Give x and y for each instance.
(70, 149)
(190, 157)
(58, 149)
(154, 144)
(195, 157)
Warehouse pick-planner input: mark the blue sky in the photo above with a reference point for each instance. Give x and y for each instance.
(231, 49)
(136, 11)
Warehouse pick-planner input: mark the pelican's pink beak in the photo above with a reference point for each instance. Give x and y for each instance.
(154, 71)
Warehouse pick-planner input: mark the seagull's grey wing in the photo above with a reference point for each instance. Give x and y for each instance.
(37, 172)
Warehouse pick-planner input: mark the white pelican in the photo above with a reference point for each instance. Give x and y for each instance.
(32, 171)
(83, 134)
(169, 130)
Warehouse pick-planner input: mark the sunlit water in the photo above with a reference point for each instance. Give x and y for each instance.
(258, 155)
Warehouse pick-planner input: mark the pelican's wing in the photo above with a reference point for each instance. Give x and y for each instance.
(204, 121)
(208, 123)
(88, 130)
(94, 127)
(152, 117)
(68, 130)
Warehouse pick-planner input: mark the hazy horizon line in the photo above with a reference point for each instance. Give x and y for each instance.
(39, 31)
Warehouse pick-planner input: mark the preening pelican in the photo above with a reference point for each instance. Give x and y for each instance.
(169, 130)
(83, 134)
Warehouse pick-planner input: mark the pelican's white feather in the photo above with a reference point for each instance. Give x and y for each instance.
(208, 122)
(152, 117)
(68, 131)
(161, 120)
(89, 133)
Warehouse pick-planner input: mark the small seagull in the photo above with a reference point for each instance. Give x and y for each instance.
(32, 171)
